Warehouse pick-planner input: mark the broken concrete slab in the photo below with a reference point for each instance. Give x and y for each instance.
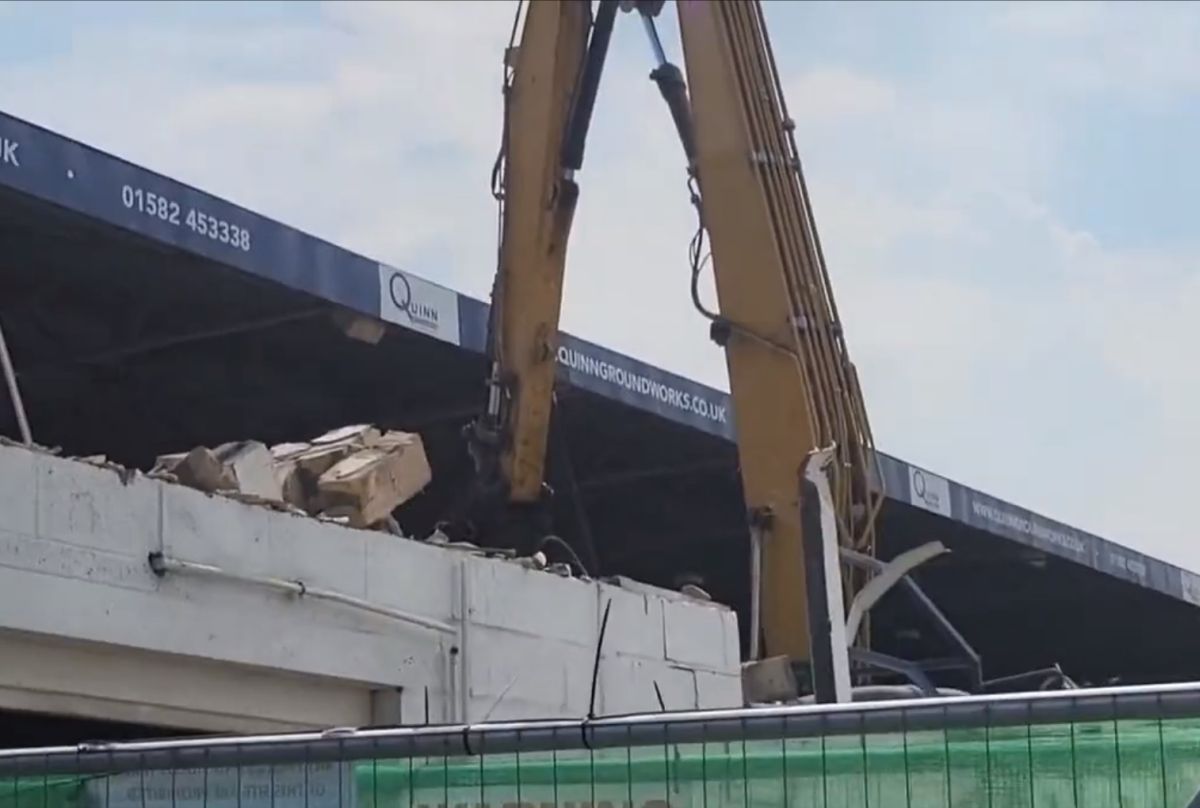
(769, 680)
(369, 484)
(201, 468)
(253, 469)
(356, 475)
(247, 467)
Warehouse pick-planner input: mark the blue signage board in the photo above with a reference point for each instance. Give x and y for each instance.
(48, 167)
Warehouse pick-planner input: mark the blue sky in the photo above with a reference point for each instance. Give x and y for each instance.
(1005, 193)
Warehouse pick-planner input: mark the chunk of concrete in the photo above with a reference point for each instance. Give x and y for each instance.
(769, 680)
(369, 484)
(253, 469)
(201, 468)
(247, 467)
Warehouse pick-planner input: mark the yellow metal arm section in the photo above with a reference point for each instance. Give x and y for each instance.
(793, 387)
(538, 207)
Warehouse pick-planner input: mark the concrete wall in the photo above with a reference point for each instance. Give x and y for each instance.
(99, 634)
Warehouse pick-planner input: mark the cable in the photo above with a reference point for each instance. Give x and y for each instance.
(552, 539)
(697, 259)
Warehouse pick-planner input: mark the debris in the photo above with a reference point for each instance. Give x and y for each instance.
(323, 453)
(291, 486)
(369, 484)
(126, 475)
(361, 434)
(245, 467)
(438, 536)
(253, 469)
(355, 475)
(537, 561)
(200, 468)
(285, 451)
(166, 464)
(769, 680)
(287, 473)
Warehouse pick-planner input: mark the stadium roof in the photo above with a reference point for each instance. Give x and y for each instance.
(147, 316)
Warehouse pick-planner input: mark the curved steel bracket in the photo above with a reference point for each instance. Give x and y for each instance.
(888, 576)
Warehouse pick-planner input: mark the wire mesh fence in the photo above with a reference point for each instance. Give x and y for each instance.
(1138, 762)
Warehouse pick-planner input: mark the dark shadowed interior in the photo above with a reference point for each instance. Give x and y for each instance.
(129, 349)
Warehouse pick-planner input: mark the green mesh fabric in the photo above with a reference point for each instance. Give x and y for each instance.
(1135, 764)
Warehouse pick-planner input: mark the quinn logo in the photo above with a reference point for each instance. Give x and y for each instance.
(929, 491)
(921, 490)
(419, 313)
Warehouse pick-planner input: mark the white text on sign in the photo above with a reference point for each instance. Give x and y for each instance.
(157, 206)
(8, 152)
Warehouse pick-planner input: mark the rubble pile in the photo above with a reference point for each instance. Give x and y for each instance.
(356, 475)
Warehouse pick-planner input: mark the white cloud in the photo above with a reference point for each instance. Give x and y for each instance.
(1070, 20)
(994, 340)
(342, 150)
(1144, 51)
(833, 94)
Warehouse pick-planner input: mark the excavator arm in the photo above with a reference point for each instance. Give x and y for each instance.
(794, 390)
(550, 86)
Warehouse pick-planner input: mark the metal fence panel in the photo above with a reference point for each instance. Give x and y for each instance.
(1129, 763)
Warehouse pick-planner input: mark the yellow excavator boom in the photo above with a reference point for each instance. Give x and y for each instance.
(794, 389)
(538, 206)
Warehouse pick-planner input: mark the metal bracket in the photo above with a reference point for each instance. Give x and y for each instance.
(949, 633)
(830, 661)
(14, 392)
(885, 578)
